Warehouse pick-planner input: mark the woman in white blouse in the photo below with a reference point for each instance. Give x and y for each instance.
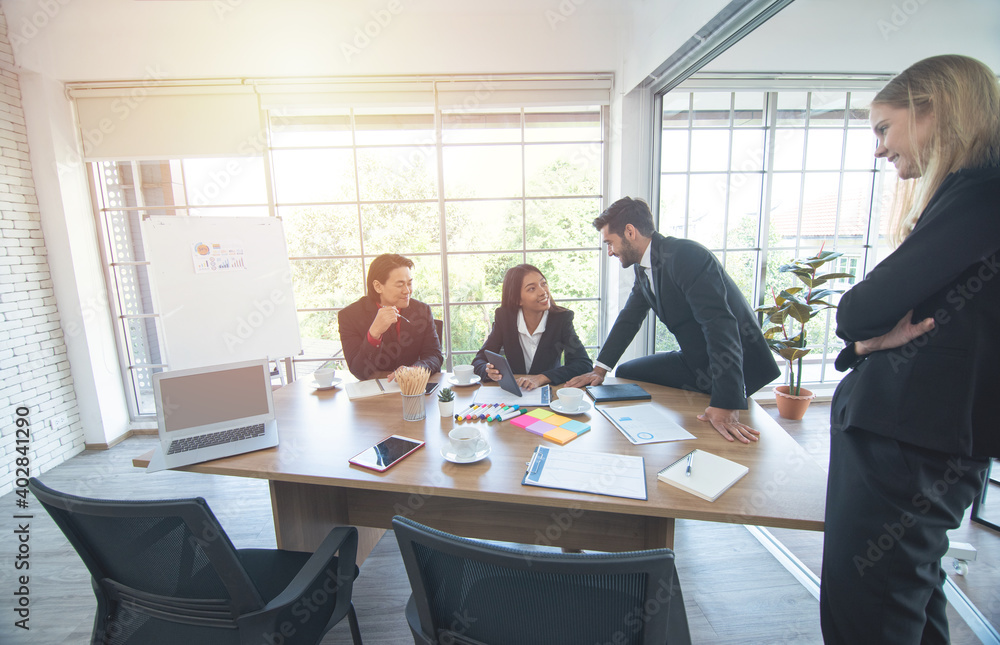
(533, 333)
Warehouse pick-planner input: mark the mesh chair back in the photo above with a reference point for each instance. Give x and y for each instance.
(466, 591)
(157, 566)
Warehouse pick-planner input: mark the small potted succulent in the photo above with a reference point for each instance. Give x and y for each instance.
(446, 402)
(800, 304)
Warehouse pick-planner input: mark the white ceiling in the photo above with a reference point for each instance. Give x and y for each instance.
(867, 36)
(85, 40)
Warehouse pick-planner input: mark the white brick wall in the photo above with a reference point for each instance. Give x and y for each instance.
(34, 369)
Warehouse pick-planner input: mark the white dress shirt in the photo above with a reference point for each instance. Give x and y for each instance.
(646, 264)
(529, 341)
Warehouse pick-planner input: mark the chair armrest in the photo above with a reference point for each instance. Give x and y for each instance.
(315, 582)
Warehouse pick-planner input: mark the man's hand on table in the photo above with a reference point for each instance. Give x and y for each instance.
(727, 422)
(595, 377)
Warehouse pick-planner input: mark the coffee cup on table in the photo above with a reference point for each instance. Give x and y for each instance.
(463, 373)
(324, 377)
(465, 441)
(571, 398)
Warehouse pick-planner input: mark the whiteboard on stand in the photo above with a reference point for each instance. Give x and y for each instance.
(223, 289)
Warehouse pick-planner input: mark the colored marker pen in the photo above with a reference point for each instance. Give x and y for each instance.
(511, 414)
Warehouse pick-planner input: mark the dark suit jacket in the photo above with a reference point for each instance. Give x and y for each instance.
(559, 337)
(720, 339)
(940, 390)
(416, 344)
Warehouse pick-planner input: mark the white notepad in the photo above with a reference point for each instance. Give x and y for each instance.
(711, 475)
(371, 387)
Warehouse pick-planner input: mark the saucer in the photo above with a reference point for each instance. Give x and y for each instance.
(479, 455)
(475, 380)
(319, 388)
(557, 407)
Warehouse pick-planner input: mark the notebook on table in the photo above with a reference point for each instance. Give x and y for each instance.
(212, 412)
(617, 392)
(710, 475)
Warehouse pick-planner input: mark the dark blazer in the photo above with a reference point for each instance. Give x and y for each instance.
(940, 390)
(718, 333)
(559, 337)
(416, 344)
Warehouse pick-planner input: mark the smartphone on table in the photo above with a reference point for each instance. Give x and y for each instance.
(386, 453)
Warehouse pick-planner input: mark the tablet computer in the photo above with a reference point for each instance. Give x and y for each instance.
(386, 453)
(507, 380)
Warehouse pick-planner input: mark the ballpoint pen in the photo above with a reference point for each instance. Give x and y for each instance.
(687, 471)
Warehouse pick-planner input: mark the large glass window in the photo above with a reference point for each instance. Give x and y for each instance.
(466, 194)
(762, 177)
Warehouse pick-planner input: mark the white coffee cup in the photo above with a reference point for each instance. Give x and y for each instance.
(465, 441)
(324, 377)
(463, 373)
(571, 398)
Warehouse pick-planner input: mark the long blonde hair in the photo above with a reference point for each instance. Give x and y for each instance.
(964, 96)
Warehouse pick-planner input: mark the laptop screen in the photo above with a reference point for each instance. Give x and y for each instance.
(211, 397)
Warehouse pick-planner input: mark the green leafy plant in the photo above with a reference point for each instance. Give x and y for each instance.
(800, 304)
(445, 394)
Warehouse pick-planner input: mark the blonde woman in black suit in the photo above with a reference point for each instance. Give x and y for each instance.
(913, 425)
(533, 333)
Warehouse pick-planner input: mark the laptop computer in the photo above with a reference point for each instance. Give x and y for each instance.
(212, 412)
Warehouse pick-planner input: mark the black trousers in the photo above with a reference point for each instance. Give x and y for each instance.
(663, 368)
(888, 506)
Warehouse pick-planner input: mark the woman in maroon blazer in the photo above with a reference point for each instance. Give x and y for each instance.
(387, 328)
(533, 333)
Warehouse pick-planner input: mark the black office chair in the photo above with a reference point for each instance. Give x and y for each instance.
(165, 572)
(476, 593)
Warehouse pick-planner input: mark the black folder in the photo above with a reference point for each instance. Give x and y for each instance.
(617, 392)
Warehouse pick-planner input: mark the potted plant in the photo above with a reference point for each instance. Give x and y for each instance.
(446, 401)
(787, 338)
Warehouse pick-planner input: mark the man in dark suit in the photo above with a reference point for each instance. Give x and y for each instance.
(722, 350)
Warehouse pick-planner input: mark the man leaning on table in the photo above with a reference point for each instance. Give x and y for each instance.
(722, 350)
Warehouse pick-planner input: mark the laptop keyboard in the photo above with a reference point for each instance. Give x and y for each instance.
(215, 438)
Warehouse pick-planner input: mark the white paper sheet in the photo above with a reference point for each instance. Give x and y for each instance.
(587, 472)
(645, 423)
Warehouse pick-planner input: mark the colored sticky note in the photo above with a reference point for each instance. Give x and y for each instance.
(523, 421)
(556, 419)
(540, 413)
(559, 435)
(540, 428)
(575, 427)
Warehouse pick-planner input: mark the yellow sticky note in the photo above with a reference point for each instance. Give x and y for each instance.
(556, 419)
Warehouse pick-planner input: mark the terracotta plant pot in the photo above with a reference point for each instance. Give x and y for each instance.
(790, 406)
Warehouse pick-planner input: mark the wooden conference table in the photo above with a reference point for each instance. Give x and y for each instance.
(313, 488)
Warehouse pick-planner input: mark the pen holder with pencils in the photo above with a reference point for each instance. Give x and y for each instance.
(413, 407)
